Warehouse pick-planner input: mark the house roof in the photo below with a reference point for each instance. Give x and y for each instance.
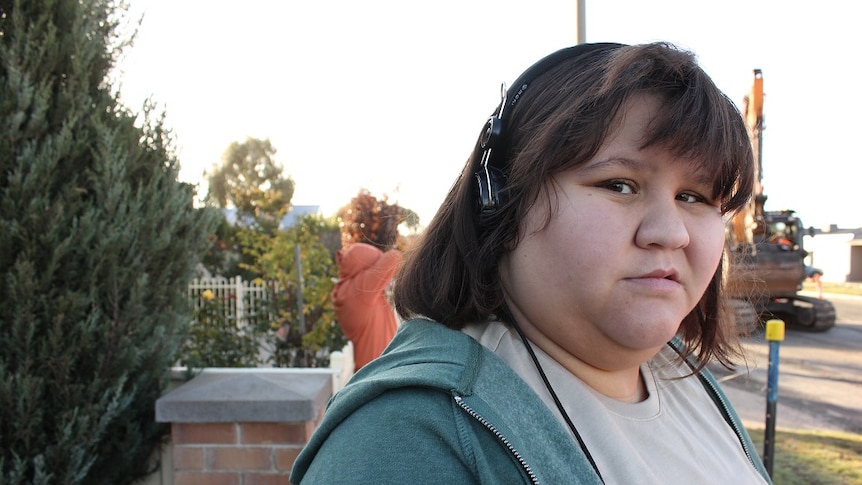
(288, 221)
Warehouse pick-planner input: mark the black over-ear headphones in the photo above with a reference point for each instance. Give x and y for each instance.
(491, 177)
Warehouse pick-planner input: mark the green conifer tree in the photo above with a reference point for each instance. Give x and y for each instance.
(98, 240)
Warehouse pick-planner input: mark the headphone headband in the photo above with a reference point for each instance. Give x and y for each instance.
(491, 178)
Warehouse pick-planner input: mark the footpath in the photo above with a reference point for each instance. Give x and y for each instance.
(747, 393)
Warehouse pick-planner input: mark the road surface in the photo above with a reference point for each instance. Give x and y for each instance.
(820, 375)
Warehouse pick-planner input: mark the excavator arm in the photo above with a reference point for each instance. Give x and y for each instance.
(749, 220)
(754, 122)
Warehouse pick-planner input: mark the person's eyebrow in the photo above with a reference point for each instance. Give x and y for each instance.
(611, 162)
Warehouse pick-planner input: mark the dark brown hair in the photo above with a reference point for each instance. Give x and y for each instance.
(451, 274)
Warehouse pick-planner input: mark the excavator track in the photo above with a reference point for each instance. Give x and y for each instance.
(747, 319)
(803, 313)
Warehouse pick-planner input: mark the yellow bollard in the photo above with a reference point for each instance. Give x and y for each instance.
(774, 335)
(775, 330)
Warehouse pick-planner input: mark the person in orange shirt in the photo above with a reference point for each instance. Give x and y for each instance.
(360, 301)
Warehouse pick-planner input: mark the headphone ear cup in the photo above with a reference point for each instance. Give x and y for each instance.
(490, 183)
(489, 179)
(493, 132)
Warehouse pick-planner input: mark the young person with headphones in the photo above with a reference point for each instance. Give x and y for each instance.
(564, 301)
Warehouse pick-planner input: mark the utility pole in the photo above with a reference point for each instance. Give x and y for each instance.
(581, 22)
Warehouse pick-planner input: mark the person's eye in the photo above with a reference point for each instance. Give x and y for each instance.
(620, 186)
(692, 198)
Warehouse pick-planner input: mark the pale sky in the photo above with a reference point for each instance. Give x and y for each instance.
(390, 95)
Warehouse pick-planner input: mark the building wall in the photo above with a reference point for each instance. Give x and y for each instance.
(832, 254)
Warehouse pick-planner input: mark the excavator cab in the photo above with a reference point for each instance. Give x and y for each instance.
(783, 232)
(771, 275)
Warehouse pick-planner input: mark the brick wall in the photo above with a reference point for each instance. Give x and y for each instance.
(242, 427)
(236, 453)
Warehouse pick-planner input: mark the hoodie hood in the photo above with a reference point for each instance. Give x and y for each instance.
(356, 258)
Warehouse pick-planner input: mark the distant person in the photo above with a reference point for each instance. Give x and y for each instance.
(779, 237)
(814, 275)
(359, 297)
(562, 305)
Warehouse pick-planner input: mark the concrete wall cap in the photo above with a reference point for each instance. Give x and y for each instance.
(248, 395)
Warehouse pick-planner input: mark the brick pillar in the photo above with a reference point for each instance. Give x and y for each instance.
(242, 426)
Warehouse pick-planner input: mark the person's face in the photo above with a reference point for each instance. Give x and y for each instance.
(632, 245)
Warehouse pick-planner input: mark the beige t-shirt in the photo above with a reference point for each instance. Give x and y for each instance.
(675, 436)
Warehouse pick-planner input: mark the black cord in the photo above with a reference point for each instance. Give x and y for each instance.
(508, 315)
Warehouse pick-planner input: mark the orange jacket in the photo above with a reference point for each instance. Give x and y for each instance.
(359, 298)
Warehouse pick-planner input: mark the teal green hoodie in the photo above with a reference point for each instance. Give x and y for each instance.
(438, 407)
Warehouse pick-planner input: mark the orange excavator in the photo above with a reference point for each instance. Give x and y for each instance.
(767, 257)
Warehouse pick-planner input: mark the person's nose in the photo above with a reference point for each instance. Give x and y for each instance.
(663, 225)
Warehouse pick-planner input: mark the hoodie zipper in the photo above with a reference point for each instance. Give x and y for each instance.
(726, 412)
(484, 422)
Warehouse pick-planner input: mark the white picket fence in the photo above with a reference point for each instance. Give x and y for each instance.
(243, 300)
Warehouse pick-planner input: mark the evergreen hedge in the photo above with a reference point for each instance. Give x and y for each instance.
(98, 241)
